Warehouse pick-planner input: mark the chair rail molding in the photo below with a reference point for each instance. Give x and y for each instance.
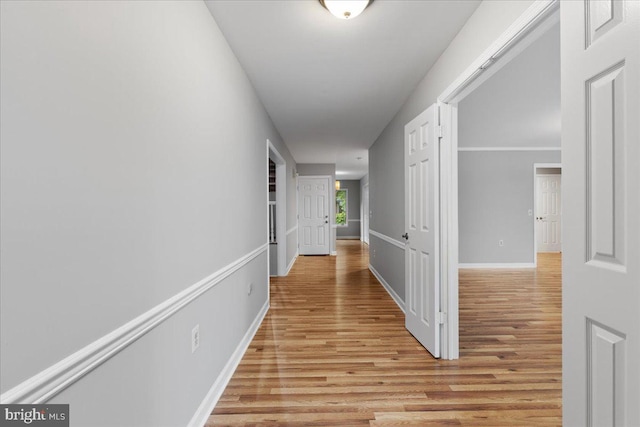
(387, 239)
(53, 380)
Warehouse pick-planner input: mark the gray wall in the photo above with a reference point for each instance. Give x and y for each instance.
(352, 230)
(311, 169)
(121, 122)
(519, 106)
(495, 194)
(386, 155)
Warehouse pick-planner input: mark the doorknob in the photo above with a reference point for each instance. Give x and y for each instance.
(326, 221)
(406, 236)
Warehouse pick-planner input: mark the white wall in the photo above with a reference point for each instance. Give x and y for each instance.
(122, 123)
(386, 155)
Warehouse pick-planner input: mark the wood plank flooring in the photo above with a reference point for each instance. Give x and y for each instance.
(333, 351)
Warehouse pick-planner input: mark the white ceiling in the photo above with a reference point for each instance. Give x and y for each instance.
(330, 85)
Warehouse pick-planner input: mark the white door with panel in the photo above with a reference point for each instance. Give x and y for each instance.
(601, 195)
(548, 213)
(422, 278)
(314, 223)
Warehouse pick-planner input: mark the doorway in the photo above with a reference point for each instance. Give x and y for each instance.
(276, 211)
(539, 19)
(365, 214)
(548, 209)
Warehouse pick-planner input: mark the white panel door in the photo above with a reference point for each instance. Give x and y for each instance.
(548, 213)
(422, 278)
(313, 212)
(601, 197)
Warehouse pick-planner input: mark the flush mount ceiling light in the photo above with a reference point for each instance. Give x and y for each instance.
(345, 9)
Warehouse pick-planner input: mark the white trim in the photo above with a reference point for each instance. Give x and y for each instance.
(449, 332)
(387, 239)
(365, 211)
(499, 265)
(211, 399)
(334, 253)
(388, 288)
(281, 204)
(520, 27)
(290, 266)
(292, 229)
(547, 165)
(516, 48)
(460, 149)
(448, 99)
(53, 380)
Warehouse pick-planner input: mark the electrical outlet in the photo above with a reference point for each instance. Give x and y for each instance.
(195, 338)
(500, 242)
(249, 288)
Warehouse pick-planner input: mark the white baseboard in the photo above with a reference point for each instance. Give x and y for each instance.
(211, 399)
(290, 266)
(388, 288)
(497, 265)
(333, 253)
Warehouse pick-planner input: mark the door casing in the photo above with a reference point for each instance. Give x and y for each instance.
(281, 207)
(533, 19)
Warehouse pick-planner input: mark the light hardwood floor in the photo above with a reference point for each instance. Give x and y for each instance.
(333, 351)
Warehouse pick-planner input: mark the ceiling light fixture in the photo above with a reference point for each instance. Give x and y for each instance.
(337, 185)
(345, 9)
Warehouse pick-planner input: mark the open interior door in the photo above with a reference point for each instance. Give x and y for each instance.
(601, 214)
(422, 278)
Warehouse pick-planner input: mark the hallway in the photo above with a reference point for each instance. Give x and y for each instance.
(333, 351)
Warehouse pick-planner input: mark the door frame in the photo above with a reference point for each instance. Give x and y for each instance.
(331, 199)
(281, 207)
(507, 44)
(537, 166)
(364, 215)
